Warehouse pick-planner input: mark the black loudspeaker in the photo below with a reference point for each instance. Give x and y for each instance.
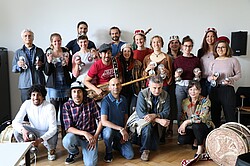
(239, 43)
(5, 112)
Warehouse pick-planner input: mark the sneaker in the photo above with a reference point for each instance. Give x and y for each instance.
(71, 158)
(108, 158)
(52, 155)
(145, 155)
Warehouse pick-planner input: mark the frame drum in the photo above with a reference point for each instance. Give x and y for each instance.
(225, 143)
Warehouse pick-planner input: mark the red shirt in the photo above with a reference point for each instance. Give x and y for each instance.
(140, 54)
(102, 73)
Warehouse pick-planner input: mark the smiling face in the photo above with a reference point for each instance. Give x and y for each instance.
(156, 43)
(210, 38)
(126, 52)
(139, 40)
(115, 86)
(37, 98)
(77, 95)
(194, 92)
(82, 29)
(28, 38)
(221, 49)
(106, 56)
(174, 45)
(83, 43)
(187, 47)
(56, 41)
(115, 34)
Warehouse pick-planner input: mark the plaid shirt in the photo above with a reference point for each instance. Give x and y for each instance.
(83, 116)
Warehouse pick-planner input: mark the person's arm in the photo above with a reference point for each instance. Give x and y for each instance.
(51, 115)
(107, 123)
(87, 83)
(236, 71)
(141, 106)
(15, 63)
(75, 65)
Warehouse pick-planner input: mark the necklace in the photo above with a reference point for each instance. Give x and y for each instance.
(157, 55)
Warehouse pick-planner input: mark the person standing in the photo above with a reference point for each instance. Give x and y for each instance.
(141, 51)
(114, 116)
(82, 121)
(131, 70)
(222, 95)
(57, 67)
(42, 119)
(116, 44)
(206, 55)
(83, 59)
(82, 29)
(187, 62)
(29, 62)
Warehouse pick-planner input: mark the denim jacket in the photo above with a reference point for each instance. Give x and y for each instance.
(144, 103)
(31, 75)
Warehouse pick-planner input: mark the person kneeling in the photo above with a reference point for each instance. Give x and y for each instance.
(152, 110)
(80, 115)
(42, 118)
(114, 115)
(196, 120)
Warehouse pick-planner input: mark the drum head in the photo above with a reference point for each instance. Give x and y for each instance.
(224, 145)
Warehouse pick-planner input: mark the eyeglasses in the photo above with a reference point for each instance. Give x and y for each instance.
(221, 47)
(188, 46)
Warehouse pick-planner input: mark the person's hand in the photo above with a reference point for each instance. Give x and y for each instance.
(149, 117)
(78, 60)
(25, 135)
(49, 57)
(98, 91)
(182, 128)
(37, 142)
(164, 122)
(177, 74)
(20, 63)
(124, 134)
(92, 141)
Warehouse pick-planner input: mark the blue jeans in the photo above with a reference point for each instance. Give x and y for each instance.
(149, 138)
(72, 141)
(50, 144)
(112, 138)
(181, 93)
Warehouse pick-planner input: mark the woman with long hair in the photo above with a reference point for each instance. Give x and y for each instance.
(206, 55)
(131, 70)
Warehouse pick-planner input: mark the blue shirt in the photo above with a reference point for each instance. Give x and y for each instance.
(116, 48)
(114, 109)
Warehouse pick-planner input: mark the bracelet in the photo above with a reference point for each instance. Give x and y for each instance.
(121, 130)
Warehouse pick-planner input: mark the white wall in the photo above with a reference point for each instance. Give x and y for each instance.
(165, 17)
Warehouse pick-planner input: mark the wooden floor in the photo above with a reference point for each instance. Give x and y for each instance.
(170, 154)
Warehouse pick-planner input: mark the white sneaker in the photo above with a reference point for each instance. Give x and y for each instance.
(51, 155)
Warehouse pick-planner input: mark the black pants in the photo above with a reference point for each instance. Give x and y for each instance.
(199, 132)
(222, 97)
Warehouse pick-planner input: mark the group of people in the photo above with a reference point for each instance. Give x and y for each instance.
(160, 87)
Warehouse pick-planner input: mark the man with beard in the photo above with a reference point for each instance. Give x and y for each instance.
(82, 29)
(103, 69)
(80, 115)
(42, 118)
(116, 44)
(114, 115)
